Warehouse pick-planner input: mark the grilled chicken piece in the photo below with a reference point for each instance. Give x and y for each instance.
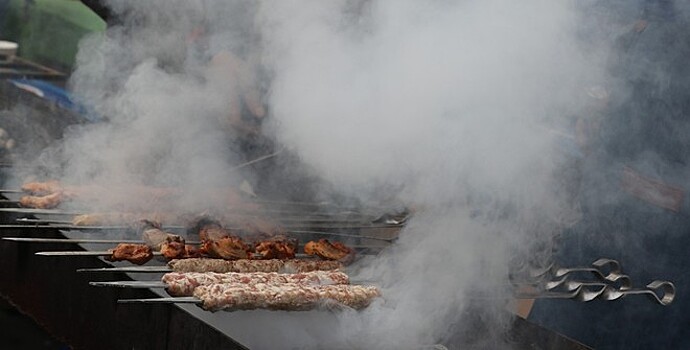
(277, 247)
(41, 202)
(135, 253)
(173, 249)
(330, 251)
(229, 248)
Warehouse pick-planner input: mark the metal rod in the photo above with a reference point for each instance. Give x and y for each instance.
(44, 221)
(322, 222)
(181, 300)
(82, 253)
(77, 240)
(33, 227)
(262, 158)
(68, 227)
(132, 269)
(68, 240)
(159, 284)
(341, 235)
(130, 284)
(107, 253)
(38, 211)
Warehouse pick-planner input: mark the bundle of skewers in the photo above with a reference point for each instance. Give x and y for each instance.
(232, 291)
(233, 269)
(248, 236)
(228, 262)
(215, 241)
(51, 194)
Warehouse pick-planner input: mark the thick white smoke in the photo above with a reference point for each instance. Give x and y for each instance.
(452, 102)
(448, 102)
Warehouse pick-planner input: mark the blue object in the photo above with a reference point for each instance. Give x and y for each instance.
(56, 95)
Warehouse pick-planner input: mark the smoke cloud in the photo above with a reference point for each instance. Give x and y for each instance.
(450, 107)
(452, 103)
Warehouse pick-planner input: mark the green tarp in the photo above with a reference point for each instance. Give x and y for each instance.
(48, 31)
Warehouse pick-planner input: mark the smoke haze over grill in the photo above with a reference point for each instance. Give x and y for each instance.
(451, 103)
(448, 107)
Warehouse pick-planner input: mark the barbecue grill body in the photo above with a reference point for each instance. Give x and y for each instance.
(62, 301)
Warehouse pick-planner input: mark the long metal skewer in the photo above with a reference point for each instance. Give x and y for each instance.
(179, 300)
(299, 232)
(322, 223)
(582, 294)
(133, 269)
(76, 240)
(130, 284)
(256, 160)
(159, 284)
(82, 253)
(337, 234)
(107, 253)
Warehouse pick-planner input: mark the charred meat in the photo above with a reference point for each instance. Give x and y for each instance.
(137, 254)
(229, 248)
(277, 247)
(174, 249)
(329, 251)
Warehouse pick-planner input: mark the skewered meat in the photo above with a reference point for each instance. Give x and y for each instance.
(287, 296)
(96, 193)
(212, 232)
(123, 194)
(277, 247)
(273, 265)
(229, 248)
(138, 221)
(171, 246)
(102, 219)
(135, 253)
(183, 284)
(174, 247)
(42, 202)
(52, 186)
(42, 188)
(217, 242)
(329, 251)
